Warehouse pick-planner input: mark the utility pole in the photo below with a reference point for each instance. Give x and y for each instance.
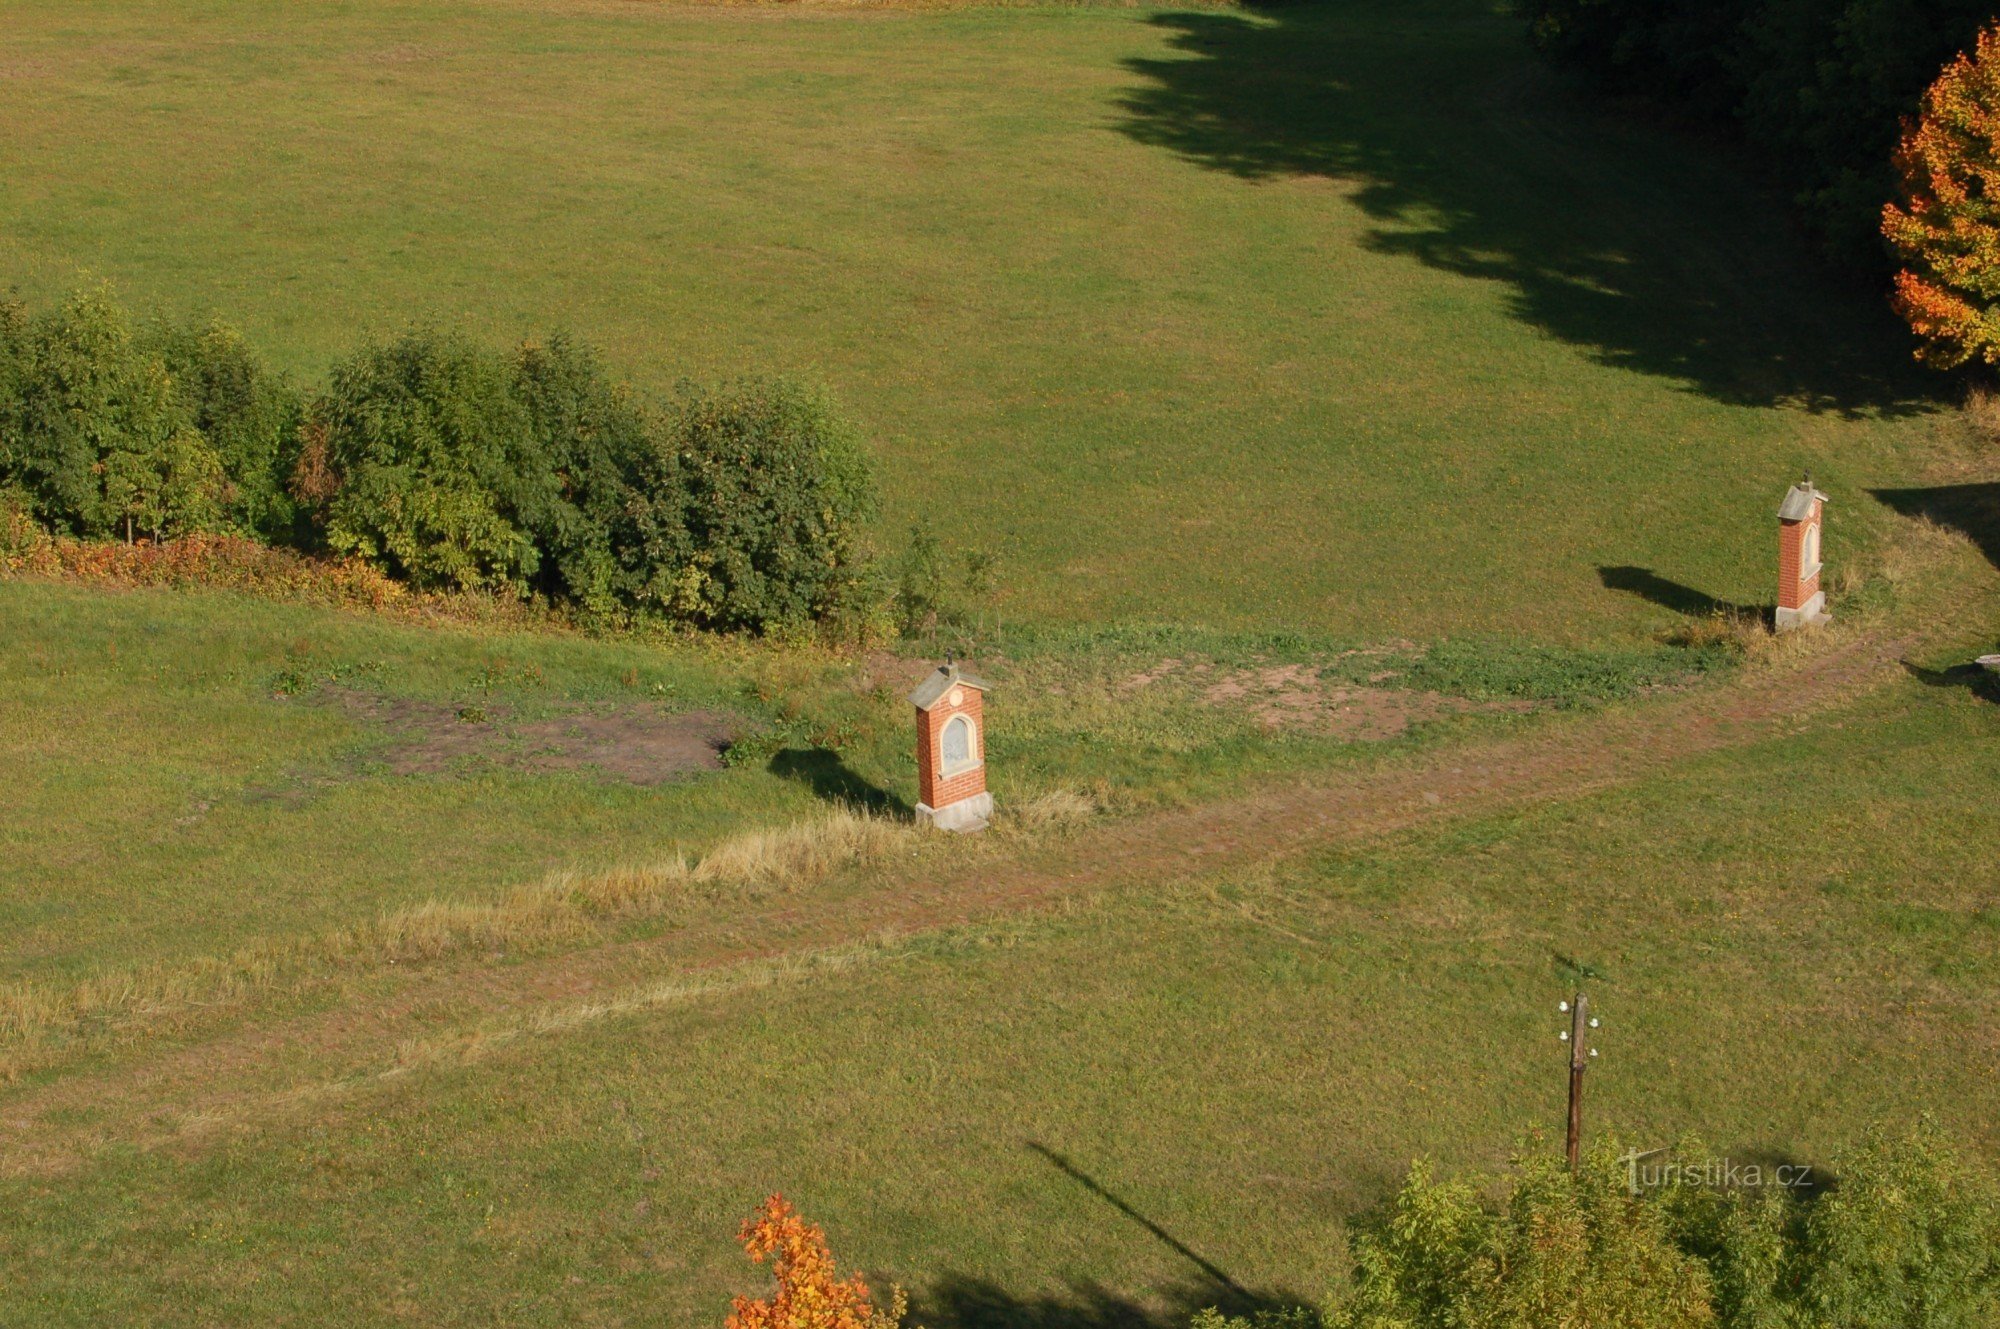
(1581, 1022)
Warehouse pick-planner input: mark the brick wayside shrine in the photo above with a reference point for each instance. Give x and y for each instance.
(1801, 602)
(951, 751)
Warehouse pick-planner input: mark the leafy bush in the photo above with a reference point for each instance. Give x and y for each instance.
(1287, 1317)
(1946, 232)
(448, 466)
(601, 448)
(1821, 86)
(924, 598)
(14, 371)
(1561, 1250)
(739, 509)
(436, 472)
(1906, 1237)
(95, 433)
(777, 492)
(249, 416)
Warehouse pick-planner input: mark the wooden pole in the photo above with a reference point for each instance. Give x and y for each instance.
(1579, 1057)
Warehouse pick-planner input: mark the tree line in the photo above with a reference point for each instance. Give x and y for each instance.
(445, 463)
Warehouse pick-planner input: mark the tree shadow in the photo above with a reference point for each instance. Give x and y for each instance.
(961, 1302)
(1652, 252)
(1973, 510)
(1677, 596)
(832, 780)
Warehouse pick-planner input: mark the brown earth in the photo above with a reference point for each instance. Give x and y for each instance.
(642, 744)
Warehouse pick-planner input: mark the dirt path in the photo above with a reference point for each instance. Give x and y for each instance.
(188, 1093)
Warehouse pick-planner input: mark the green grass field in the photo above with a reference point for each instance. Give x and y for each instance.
(167, 801)
(1338, 316)
(1318, 370)
(1800, 939)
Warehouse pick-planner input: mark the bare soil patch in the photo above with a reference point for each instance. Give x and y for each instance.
(642, 743)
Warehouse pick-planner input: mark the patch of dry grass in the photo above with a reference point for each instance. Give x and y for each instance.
(37, 1017)
(1982, 412)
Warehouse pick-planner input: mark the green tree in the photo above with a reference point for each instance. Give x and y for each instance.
(600, 442)
(1908, 1237)
(102, 446)
(248, 414)
(778, 491)
(437, 473)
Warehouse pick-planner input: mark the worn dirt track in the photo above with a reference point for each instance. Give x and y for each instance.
(186, 1092)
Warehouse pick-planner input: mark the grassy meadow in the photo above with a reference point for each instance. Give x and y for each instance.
(169, 800)
(1151, 1099)
(1355, 410)
(1341, 316)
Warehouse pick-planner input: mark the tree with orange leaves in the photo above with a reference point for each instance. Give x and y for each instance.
(810, 1295)
(1946, 232)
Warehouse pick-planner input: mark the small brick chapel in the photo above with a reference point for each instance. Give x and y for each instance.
(951, 750)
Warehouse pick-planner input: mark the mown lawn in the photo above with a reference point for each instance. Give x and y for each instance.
(1097, 1116)
(1343, 316)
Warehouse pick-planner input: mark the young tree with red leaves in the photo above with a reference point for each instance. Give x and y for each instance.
(1946, 231)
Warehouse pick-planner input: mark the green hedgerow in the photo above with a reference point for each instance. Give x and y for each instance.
(778, 491)
(448, 466)
(95, 433)
(437, 475)
(249, 415)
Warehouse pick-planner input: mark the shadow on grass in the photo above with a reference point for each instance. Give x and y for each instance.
(971, 1303)
(1222, 1281)
(1677, 596)
(1973, 678)
(832, 780)
(962, 1302)
(1973, 510)
(1653, 253)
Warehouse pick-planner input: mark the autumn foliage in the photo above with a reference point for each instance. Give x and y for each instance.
(1946, 232)
(810, 1294)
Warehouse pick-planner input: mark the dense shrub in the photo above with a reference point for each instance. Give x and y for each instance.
(1905, 1236)
(94, 431)
(447, 466)
(777, 492)
(436, 474)
(1561, 1250)
(600, 446)
(1821, 86)
(14, 372)
(249, 416)
(1946, 232)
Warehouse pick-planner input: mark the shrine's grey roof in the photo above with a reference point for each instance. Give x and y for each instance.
(936, 684)
(1798, 504)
